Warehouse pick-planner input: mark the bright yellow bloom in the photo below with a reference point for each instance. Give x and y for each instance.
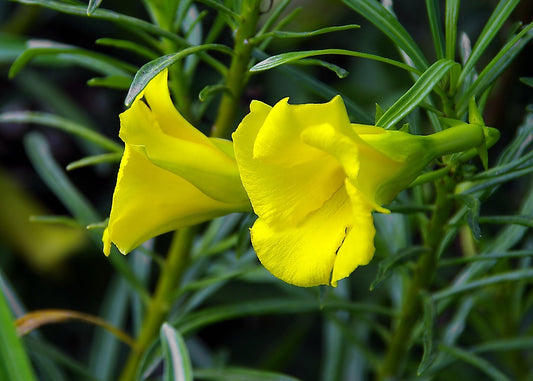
(314, 178)
(171, 175)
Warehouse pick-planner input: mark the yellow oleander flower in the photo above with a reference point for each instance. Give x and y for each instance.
(314, 178)
(171, 175)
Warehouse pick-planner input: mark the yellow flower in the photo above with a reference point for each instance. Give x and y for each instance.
(314, 178)
(171, 175)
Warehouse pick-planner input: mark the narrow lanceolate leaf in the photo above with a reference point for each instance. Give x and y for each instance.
(153, 68)
(112, 81)
(504, 220)
(240, 374)
(339, 71)
(428, 322)
(129, 46)
(60, 123)
(472, 216)
(492, 27)
(435, 26)
(289, 57)
(282, 34)
(527, 81)
(512, 276)
(96, 159)
(496, 66)
(177, 361)
(392, 262)
(35, 319)
(54, 177)
(451, 16)
(378, 15)
(14, 362)
(93, 4)
(321, 89)
(56, 220)
(71, 54)
(416, 94)
(104, 14)
(476, 361)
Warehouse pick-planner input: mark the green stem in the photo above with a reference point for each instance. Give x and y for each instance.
(237, 74)
(457, 139)
(423, 275)
(161, 302)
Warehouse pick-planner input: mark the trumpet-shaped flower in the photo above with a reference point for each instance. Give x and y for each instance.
(171, 175)
(314, 178)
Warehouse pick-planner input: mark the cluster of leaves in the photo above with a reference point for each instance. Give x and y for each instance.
(476, 317)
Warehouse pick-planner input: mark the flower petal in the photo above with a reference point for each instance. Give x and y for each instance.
(171, 122)
(278, 141)
(285, 195)
(358, 246)
(149, 201)
(203, 164)
(308, 254)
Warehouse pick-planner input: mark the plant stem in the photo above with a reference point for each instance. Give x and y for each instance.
(237, 74)
(161, 302)
(423, 275)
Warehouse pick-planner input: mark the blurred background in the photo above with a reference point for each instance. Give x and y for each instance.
(57, 266)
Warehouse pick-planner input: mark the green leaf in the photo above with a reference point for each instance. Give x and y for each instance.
(71, 54)
(319, 88)
(476, 361)
(487, 257)
(432, 7)
(40, 156)
(59, 220)
(55, 356)
(129, 46)
(497, 180)
(14, 362)
(428, 322)
(379, 113)
(339, 71)
(220, 8)
(472, 216)
(93, 4)
(451, 16)
(105, 348)
(280, 59)
(455, 328)
(239, 374)
(177, 361)
(207, 316)
(10, 47)
(378, 15)
(521, 163)
(498, 17)
(281, 34)
(63, 124)
(528, 81)
(496, 66)
(416, 94)
(152, 68)
(212, 90)
(113, 82)
(96, 159)
(504, 345)
(104, 14)
(506, 220)
(392, 262)
(511, 276)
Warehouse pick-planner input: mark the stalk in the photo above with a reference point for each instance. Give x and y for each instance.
(160, 304)
(422, 278)
(238, 70)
